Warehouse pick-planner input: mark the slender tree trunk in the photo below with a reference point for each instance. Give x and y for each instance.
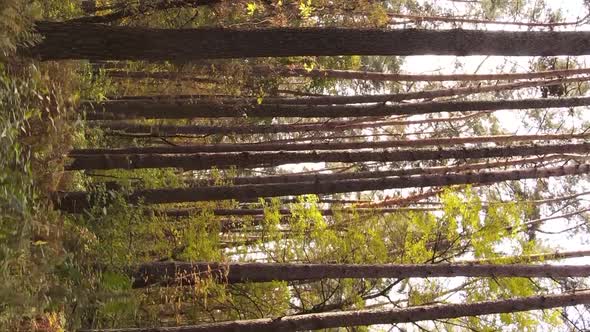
(156, 109)
(378, 316)
(290, 178)
(380, 76)
(491, 203)
(197, 161)
(539, 221)
(453, 19)
(529, 258)
(143, 75)
(216, 148)
(77, 201)
(343, 100)
(139, 130)
(179, 213)
(100, 42)
(170, 273)
(200, 97)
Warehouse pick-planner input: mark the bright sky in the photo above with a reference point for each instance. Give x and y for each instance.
(571, 10)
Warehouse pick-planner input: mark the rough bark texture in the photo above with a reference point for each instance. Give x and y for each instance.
(197, 161)
(171, 273)
(101, 42)
(77, 201)
(328, 146)
(379, 316)
(186, 109)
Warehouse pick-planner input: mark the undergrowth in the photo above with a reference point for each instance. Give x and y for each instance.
(37, 128)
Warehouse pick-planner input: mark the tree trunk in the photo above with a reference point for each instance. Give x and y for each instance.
(216, 148)
(63, 40)
(143, 75)
(180, 213)
(77, 201)
(198, 161)
(454, 19)
(379, 76)
(537, 222)
(139, 130)
(328, 320)
(174, 273)
(186, 109)
(525, 259)
(343, 100)
(294, 178)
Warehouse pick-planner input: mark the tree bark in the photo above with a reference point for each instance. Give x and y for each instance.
(186, 109)
(216, 148)
(198, 161)
(78, 201)
(343, 100)
(63, 40)
(294, 178)
(378, 316)
(181, 213)
(537, 222)
(529, 258)
(186, 273)
(143, 75)
(126, 128)
(453, 19)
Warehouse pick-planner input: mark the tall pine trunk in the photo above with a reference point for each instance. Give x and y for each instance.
(77, 201)
(380, 316)
(186, 109)
(557, 255)
(197, 161)
(180, 213)
(294, 178)
(356, 99)
(101, 42)
(174, 273)
(216, 148)
(135, 129)
(380, 76)
(144, 75)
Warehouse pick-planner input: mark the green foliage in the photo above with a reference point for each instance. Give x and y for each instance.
(16, 98)
(305, 8)
(17, 197)
(73, 270)
(16, 19)
(251, 8)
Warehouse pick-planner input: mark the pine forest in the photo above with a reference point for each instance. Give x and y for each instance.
(294, 165)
